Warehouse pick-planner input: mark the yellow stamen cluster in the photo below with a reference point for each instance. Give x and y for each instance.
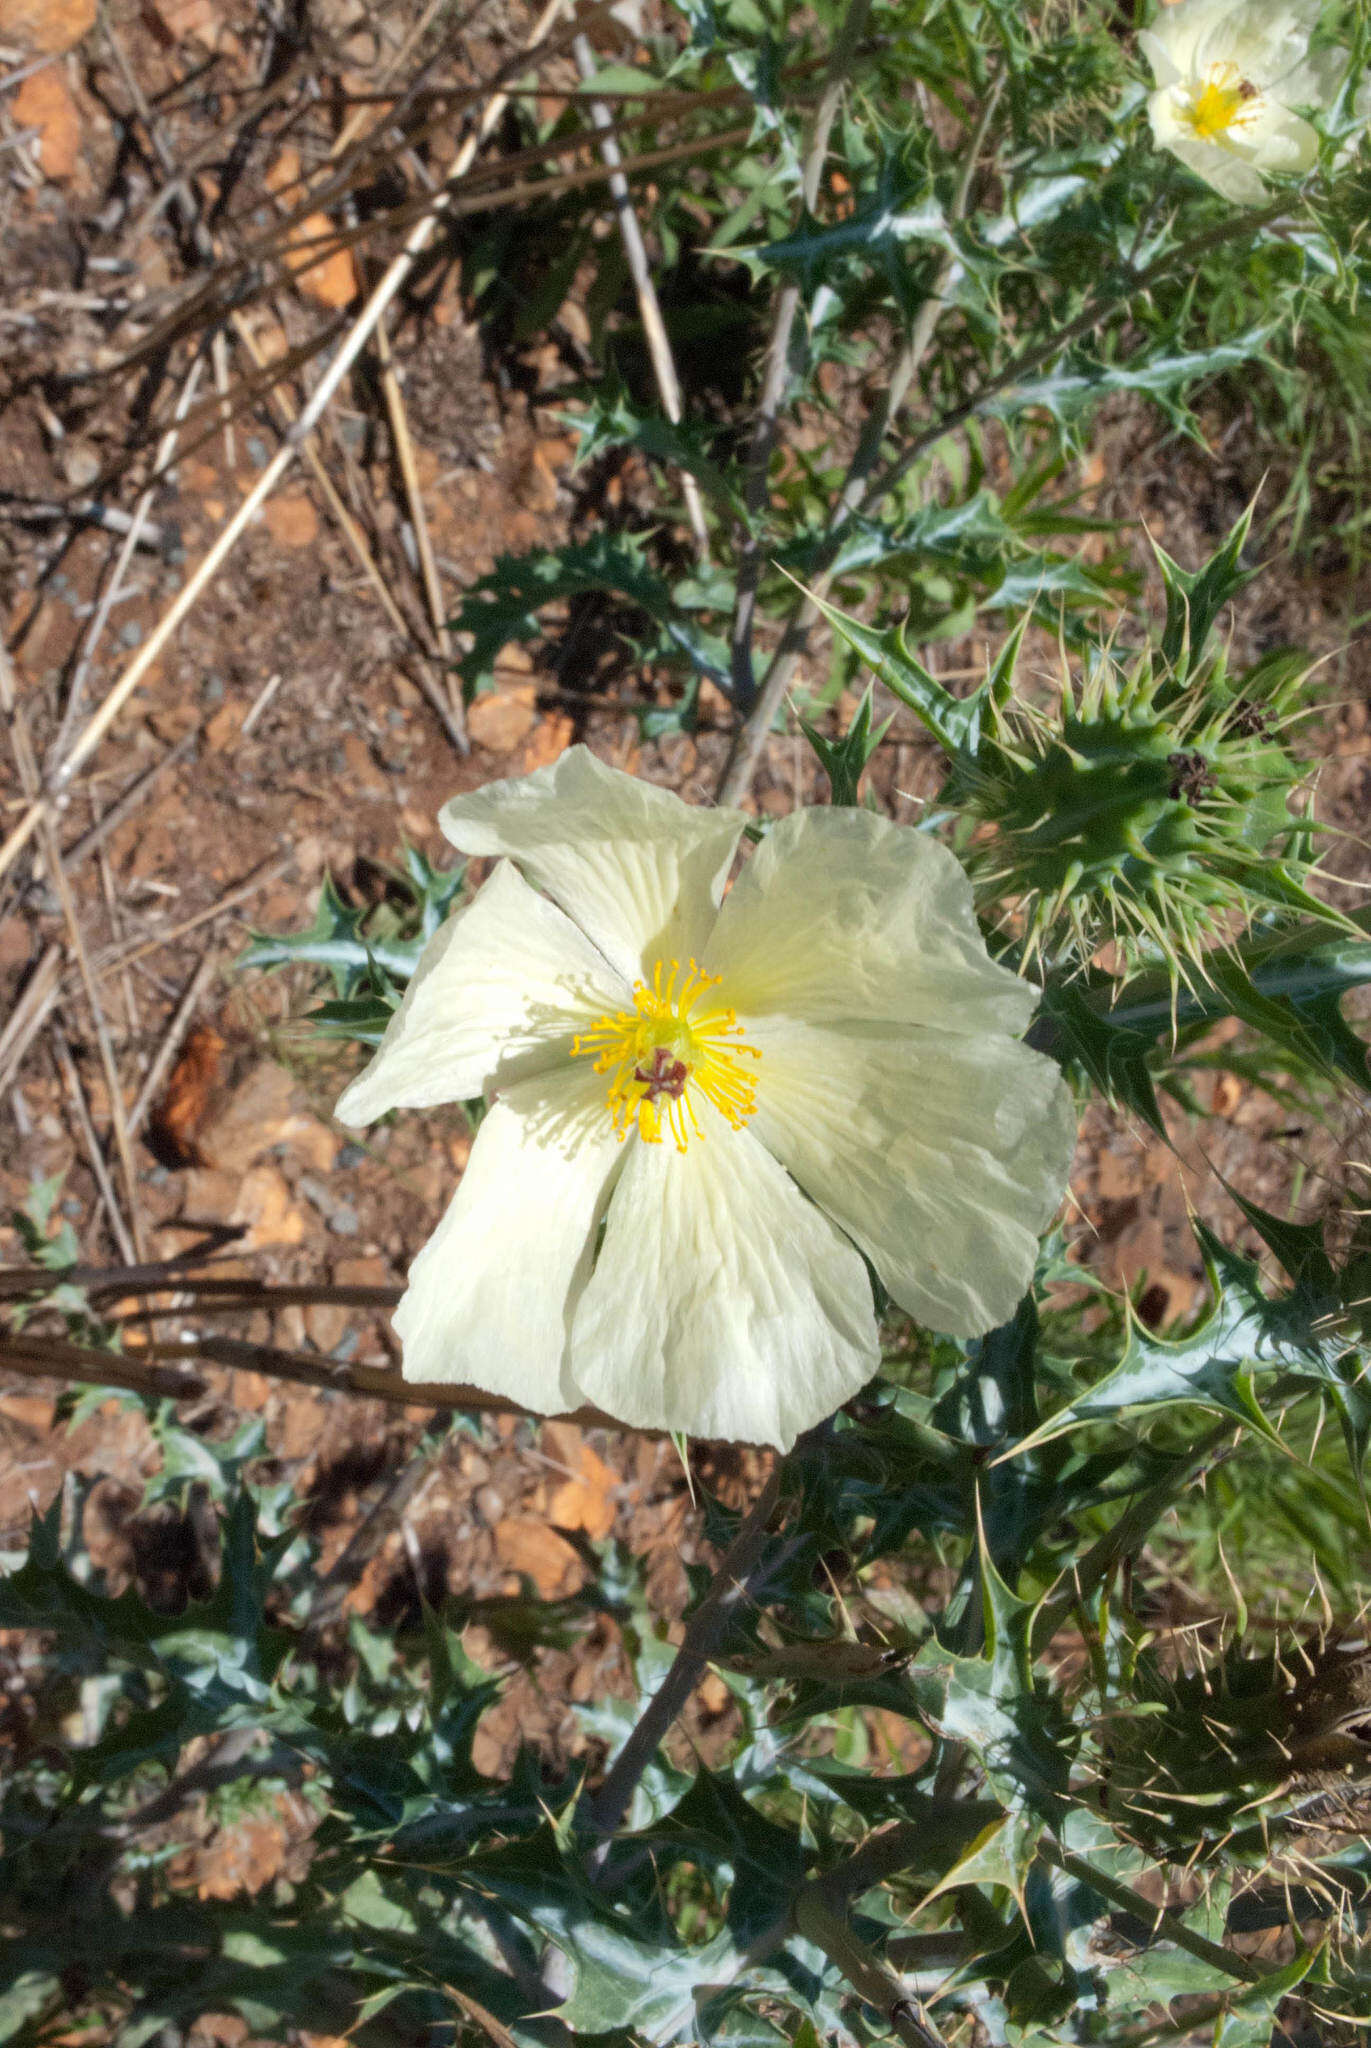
(1226, 100)
(667, 1045)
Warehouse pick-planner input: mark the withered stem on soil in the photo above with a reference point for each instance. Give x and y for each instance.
(95, 835)
(403, 442)
(66, 1066)
(649, 307)
(29, 1014)
(125, 955)
(114, 1087)
(161, 462)
(704, 1633)
(26, 761)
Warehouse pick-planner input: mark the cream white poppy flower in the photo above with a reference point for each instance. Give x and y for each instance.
(1229, 73)
(705, 1109)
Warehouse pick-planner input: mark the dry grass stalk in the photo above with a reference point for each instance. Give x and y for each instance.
(76, 1094)
(649, 306)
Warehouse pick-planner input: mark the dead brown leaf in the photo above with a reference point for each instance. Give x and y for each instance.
(549, 740)
(582, 1501)
(241, 1859)
(185, 1103)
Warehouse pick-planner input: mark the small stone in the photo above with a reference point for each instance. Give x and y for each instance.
(292, 520)
(344, 1222)
(351, 1155)
(326, 1324)
(130, 634)
(45, 25)
(503, 720)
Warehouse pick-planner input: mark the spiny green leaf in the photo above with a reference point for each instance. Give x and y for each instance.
(506, 604)
(1110, 1053)
(1194, 598)
(953, 721)
(844, 760)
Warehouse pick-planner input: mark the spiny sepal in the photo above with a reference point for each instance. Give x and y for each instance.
(1153, 803)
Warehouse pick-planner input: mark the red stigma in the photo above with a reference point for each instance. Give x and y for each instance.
(665, 1076)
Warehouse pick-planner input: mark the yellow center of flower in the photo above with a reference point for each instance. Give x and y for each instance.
(1225, 100)
(673, 1041)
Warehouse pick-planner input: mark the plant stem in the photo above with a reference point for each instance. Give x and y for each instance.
(704, 1633)
(871, 1978)
(758, 709)
(777, 371)
(1162, 1923)
(649, 306)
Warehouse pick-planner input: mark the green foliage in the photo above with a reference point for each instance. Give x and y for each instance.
(368, 953)
(844, 761)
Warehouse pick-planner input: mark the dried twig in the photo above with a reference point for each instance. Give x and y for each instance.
(66, 1066)
(121, 956)
(649, 307)
(76, 688)
(123, 806)
(29, 1014)
(167, 1369)
(83, 512)
(423, 542)
(118, 1119)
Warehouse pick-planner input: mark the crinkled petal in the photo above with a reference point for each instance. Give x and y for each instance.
(840, 913)
(501, 989)
(1161, 56)
(942, 1156)
(640, 872)
(492, 1294)
(1278, 140)
(1265, 41)
(723, 1303)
